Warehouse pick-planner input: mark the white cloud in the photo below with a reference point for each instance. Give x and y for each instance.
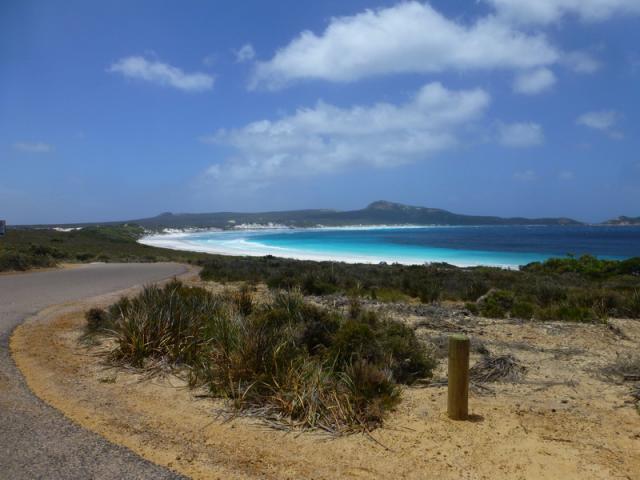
(162, 74)
(566, 175)
(407, 38)
(535, 81)
(550, 11)
(33, 147)
(526, 176)
(520, 134)
(581, 62)
(601, 120)
(245, 54)
(327, 138)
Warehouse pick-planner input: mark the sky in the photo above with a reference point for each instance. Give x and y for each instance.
(120, 110)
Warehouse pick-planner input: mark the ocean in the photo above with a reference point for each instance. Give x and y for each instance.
(505, 246)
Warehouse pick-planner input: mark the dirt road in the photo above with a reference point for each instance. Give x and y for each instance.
(37, 441)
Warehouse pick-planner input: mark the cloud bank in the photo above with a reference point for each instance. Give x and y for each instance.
(410, 37)
(327, 138)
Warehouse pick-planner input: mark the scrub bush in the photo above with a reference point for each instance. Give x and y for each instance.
(284, 358)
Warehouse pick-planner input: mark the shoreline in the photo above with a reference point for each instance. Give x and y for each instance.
(256, 242)
(243, 247)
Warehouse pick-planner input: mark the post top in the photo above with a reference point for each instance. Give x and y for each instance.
(459, 337)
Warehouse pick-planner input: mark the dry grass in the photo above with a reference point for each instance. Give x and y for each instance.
(626, 368)
(504, 368)
(283, 359)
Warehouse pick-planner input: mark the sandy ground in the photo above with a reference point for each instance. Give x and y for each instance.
(565, 420)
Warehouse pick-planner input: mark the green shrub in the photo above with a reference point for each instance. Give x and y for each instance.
(243, 300)
(473, 308)
(356, 339)
(18, 261)
(567, 312)
(523, 310)
(474, 290)
(496, 304)
(552, 283)
(632, 308)
(284, 357)
(405, 356)
(430, 292)
(314, 285)
(372, 391)
(548, 292)
(390, 295)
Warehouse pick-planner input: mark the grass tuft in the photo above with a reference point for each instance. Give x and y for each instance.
(284, 359)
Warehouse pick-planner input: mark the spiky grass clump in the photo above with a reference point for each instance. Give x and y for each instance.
(503, 368)
(285, 359)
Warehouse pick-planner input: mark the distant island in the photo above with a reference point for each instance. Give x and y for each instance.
(622, 220)
(377, 213)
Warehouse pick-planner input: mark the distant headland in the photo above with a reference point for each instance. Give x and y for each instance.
(378, 213)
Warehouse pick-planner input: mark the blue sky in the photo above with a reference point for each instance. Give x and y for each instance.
(119, 109)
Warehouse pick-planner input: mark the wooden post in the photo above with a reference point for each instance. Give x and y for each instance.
(458, 389)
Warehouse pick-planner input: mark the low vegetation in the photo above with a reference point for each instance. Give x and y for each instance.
(284, 359)
(504, 368)
(24, 249)
(573, 289)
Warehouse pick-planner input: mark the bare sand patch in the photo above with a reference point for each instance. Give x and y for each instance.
(564, 421)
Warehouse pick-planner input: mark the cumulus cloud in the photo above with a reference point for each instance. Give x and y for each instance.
(535, 81)
(245, 54)
(603, 120)
(581, 62)
(327, 138)
(551, 11)
(410, 37)
(33, 147)
(162, 74)
(519, 135)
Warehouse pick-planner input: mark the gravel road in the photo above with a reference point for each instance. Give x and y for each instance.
(37, 441)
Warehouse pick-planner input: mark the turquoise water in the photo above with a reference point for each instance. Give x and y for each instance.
(491, 245)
